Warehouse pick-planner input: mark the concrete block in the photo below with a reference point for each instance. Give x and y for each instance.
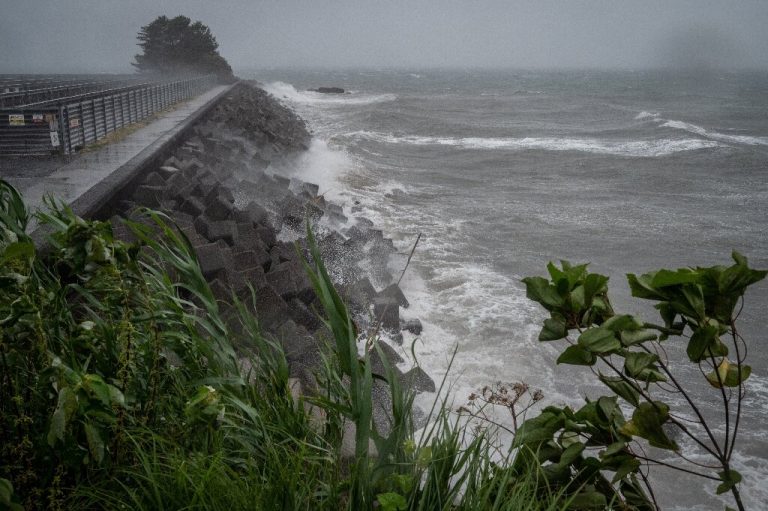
(217, 230)
(254, 277)
(302, 315)
(418, 380)
(393, 291)
(149, 196)
(281, 280)
(267, 235)
(193, 206)
(154, 179)
(218, 208)
(211, 258)
(387, 311)
(271, 310)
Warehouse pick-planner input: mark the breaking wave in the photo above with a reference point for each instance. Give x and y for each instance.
(286, 91)
(714, 135)
(633, 148)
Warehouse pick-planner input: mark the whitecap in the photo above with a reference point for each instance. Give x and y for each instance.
(286, 91)
(655, 116)
(632, 148)
(714, 135)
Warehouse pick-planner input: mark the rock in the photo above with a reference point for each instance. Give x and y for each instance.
(328, 90)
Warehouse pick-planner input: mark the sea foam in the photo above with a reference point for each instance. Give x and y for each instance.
(714, 135)
(286, 91)
(632, 148)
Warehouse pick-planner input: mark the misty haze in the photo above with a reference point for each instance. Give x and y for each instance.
(346, 301)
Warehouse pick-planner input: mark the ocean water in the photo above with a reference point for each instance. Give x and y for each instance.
(502, 172)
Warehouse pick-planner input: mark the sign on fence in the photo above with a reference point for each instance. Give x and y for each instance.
(74, 123)
(37, 119)
(55, 139)
(16, 119)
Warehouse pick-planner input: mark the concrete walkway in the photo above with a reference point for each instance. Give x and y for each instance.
(91, 170)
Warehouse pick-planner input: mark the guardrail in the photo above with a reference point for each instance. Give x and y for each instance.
(68, 124)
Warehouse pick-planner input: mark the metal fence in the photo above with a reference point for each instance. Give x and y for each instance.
(68, 124)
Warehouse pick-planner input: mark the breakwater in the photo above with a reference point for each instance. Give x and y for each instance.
(245, 221)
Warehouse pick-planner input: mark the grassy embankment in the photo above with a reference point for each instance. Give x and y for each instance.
(123, 386)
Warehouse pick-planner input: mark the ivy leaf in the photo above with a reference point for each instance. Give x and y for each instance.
(599, 340)
(647, 421)
(629, 392)
(729, 478)
(636, 361)
(539, 290)
(576, 355)
(702, 339)
(622, 322)
(665, 278)
(728, 374)
(629, 465)
(641, 287)
(595, 284)
(553, 330)
(630, 338)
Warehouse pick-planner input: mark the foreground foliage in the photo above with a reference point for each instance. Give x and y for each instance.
(698, 307)
(125, 385)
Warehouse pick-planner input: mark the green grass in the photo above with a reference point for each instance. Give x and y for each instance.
(122, 388)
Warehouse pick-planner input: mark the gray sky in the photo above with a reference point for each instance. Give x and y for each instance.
(100, 35)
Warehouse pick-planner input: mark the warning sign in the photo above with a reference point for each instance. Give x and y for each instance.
(74, 123)
(37, 119)
(16, 119)
(55, 139)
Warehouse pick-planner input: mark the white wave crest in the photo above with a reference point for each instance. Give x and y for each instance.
(634, 148)
(286, 91)
(656, 116)
(714, 135)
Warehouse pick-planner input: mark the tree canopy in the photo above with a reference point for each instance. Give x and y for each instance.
(176, 45)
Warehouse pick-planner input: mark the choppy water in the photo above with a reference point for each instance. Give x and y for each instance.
(502, 172)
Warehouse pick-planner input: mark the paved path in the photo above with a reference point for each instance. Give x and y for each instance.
(70, 180)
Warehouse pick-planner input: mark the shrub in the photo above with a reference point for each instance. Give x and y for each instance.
(698, 306)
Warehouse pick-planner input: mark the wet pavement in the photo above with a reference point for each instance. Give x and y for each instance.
(68, 178)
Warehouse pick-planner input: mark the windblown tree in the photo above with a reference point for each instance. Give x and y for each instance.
(176, 46)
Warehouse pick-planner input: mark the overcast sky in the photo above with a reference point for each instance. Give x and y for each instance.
(100, 35)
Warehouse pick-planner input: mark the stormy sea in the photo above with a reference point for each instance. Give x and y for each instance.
(502, 172)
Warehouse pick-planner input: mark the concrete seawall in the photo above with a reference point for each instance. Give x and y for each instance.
(215, 176)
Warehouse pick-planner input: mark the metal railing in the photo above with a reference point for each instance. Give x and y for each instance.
(66, 125)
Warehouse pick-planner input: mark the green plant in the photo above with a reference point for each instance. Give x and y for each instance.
(124, 384)
(699, 306)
